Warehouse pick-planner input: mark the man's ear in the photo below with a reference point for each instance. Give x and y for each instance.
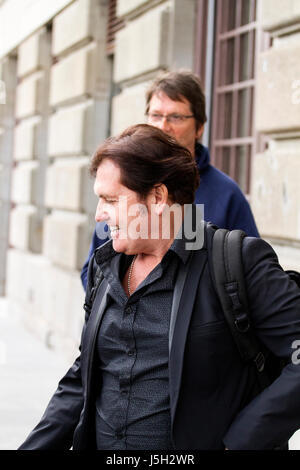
(200, 131)
(161, 195)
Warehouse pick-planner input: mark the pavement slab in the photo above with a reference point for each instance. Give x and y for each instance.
(29, 374)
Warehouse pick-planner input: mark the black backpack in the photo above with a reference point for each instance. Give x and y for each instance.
(230, 286)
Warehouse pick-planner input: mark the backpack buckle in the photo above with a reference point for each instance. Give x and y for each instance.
(260, 361)
(242, 323)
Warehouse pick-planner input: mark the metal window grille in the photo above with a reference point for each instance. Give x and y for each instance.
(114, 24)
(233, 137)
(237, 42)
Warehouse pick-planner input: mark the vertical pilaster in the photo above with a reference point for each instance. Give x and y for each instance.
(7, 104)
(275, 190)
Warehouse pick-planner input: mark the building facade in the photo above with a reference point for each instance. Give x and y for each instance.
(74, 72)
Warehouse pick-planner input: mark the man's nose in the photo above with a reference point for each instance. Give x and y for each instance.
(164, 124)
(101, 214)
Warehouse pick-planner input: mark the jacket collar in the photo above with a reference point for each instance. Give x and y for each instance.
(202, 156)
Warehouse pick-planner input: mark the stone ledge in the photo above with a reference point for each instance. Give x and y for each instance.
(25, 139)
(275, 193)
(134, 43)
(34, 53)
(63, 307)
(128, 107)
(78, 24)
(67, 238)
(77, 130)
(25, 183)
(69, 186)
(274, 16)
(25, 274)
(127, 6)
(278, 88)
(26, 229)
(71, 26)
(29, 96)
(49, 298)
(81, 71)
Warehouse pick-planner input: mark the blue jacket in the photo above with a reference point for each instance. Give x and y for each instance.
(224, 203)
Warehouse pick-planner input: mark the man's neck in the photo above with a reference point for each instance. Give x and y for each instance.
(192, 150)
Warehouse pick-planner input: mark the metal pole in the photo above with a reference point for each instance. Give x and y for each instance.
(209, 71)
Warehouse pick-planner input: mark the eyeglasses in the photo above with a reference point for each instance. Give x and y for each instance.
(171, 118)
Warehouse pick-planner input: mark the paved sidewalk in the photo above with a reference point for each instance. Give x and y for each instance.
(29, 373)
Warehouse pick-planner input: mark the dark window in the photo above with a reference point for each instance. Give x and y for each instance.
(237, 40)
(232, 136)
(114, 24)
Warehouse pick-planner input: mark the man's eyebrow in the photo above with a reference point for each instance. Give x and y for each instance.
(157, 111)
(106, 196)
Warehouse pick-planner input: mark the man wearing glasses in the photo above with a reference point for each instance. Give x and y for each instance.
(175, 103)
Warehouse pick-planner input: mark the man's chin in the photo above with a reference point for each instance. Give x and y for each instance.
(119, 245)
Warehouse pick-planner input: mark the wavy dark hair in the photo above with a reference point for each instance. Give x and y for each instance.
(147, 157)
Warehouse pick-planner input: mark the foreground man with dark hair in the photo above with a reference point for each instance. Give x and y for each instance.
(158, 367)
(175, 103)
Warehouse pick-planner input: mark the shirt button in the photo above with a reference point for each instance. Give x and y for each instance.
(131, 352)
(128, 310)
(119, 435)
(124, 392)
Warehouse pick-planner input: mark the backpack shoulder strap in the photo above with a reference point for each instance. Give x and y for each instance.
(94, 279)
(230, 286)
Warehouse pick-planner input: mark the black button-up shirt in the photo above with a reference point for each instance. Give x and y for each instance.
(132, 407)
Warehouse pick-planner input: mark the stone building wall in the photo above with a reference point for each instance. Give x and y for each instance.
(64, 95)
(8, 71)
(158, 35)
(275, 191)
(64, 82)
(61, 113)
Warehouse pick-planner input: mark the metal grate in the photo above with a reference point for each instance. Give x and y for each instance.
(201, 40)
(233, 137)
(114, 24)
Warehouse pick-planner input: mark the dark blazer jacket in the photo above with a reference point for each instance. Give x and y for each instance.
(213, 395)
